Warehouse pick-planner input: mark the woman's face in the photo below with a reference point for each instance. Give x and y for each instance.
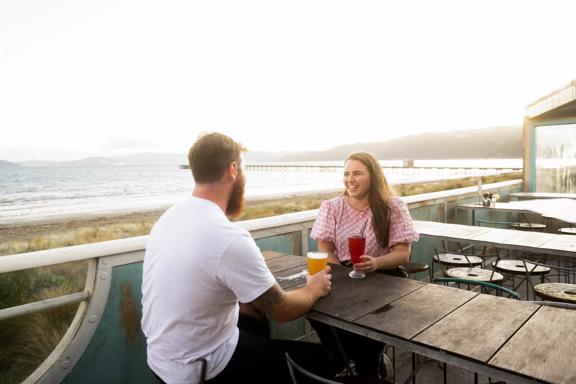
(356, 179)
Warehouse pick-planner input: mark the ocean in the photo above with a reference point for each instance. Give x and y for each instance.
(29, 193)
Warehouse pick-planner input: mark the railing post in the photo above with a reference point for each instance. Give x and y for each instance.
(305, 234)
(297, 243)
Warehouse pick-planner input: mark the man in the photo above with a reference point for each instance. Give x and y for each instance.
(198, 266)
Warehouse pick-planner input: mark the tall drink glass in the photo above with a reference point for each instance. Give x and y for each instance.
(356, 245)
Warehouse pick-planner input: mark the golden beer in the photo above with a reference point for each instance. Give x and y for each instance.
(317, 261)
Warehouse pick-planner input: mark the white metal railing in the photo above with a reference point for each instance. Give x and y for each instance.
(259, 228)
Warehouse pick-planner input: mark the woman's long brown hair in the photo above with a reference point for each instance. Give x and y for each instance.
(379, 196)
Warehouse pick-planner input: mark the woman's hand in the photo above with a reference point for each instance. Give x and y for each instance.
(367, 264)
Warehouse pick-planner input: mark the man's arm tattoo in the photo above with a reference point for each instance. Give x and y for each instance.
(268, 299)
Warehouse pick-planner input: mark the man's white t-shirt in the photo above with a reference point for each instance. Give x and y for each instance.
(197, 266)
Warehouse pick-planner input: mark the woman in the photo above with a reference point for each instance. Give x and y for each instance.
(367, 207)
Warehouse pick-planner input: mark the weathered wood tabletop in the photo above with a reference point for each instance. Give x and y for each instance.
(543, 348)
(502, 338)
(536, 242)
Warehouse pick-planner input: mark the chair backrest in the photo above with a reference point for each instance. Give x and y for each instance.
(568, 274)
(297, 371)
(496, 287)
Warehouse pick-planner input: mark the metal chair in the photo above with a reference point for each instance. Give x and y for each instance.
(563, 289)
(515, 268)
(296, 371)
(463, 265)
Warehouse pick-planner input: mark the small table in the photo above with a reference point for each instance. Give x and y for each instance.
(498, 207)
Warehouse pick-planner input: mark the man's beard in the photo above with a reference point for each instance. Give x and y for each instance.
(236, 201)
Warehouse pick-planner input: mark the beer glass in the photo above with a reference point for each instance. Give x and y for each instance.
(317, 261)
(356, 245)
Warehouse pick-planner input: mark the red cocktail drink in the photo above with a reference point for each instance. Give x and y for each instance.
(356, 245)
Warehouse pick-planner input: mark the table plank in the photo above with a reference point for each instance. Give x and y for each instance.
(292, 278)
(426, 225)
(478, 328)
(426, 306)
(351, 299)
(530, 239)
(281, 263)
(496, 236)
(465, 231)
(548, 345)
(434, 229)
(560, 243)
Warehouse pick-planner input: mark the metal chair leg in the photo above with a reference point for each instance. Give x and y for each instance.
(342, 352)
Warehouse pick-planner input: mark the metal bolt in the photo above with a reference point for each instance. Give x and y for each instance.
(104, 275)
(66, 364)
(92, 319)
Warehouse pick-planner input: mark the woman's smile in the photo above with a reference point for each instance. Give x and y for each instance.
(356, 179)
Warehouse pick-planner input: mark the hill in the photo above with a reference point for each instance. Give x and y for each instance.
(134, 159)
(4, 163)
(496, 142)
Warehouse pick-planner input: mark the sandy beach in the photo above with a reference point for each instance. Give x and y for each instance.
(25, 231)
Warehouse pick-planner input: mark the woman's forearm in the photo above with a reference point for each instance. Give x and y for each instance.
(329, 249)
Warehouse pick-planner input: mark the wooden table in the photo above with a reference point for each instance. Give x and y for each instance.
(511, 340)
(536, 242)
(498, 207)
(542, 195)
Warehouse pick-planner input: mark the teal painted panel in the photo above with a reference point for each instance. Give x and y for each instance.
(312, 245)
(282, 244)
(290, 330)
(117, 351)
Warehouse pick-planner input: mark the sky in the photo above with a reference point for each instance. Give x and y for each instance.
(105, 78)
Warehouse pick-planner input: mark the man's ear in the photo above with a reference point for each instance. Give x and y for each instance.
(233, 170)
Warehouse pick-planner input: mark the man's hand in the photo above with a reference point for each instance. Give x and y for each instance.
(320, 283)
(284, 306)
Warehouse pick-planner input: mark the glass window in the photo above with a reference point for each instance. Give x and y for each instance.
(556, 158)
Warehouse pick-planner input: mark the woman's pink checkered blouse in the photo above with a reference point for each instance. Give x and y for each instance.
(337, 220)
